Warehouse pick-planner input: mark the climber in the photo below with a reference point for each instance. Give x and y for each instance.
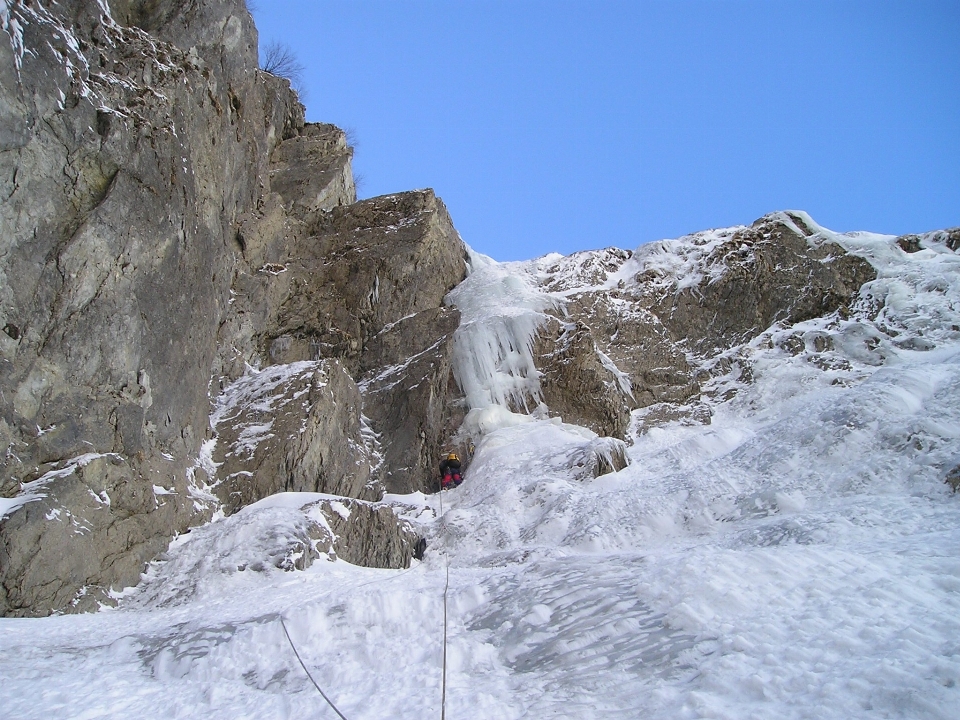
(450, 472)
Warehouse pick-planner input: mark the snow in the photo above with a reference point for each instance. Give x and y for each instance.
(799, 557)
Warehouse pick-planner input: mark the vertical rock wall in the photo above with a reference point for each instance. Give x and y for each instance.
(132, 144)
(168, 222)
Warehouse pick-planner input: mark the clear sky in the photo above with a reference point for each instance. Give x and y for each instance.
(555, 125)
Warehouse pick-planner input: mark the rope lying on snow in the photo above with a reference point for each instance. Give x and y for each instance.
(443, 682)
(446, 587)
(290, 640)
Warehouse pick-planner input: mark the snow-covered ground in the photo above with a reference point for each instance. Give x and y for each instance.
(797, 558)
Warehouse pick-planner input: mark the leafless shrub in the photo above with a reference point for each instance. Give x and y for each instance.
(279, 59)
(351, 137)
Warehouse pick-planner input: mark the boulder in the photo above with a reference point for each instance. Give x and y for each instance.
(279, 537)
(369, 534)
(953, 479)
(601, 456)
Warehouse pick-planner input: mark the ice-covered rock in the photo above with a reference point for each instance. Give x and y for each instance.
(295, 427)
(647, 328)
(283, 533)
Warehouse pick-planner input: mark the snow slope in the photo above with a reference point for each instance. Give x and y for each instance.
(797, 558)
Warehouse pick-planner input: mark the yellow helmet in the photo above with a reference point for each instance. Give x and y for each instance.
(452, 456)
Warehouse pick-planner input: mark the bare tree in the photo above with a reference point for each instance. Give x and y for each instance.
(280, 60)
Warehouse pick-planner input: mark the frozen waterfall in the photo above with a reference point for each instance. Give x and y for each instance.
(501, 310)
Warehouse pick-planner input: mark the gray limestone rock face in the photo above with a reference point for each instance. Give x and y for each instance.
(308, 172)
(379, 310)
(396, 255)
(411, 398)
(168, 217)
(637, 344)
(84, 528)
(289, 428)
(131, 148)
(312, 170)
(607, 354)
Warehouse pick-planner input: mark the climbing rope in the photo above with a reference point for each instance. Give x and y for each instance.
(443, 681)
(322, 693)
(446, 587)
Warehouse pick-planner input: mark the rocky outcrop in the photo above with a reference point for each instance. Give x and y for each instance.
(639, 331)
(312, 170)
(396, 255)
(289, 428)
(953, 479)
(83, 526)
(915, 243)
(774, 271)
(411, 397)
(369, 534)
(283, 536)
(308, 173)
(575, 384)
(377, 309)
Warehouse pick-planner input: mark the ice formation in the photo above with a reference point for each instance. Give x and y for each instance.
(501, 309)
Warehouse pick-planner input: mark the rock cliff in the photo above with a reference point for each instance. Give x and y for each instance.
(173, 237)
(198, 313)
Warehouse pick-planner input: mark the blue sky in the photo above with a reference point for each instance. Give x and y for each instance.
(564, 126)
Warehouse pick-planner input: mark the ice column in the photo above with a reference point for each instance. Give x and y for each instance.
(501, 309)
